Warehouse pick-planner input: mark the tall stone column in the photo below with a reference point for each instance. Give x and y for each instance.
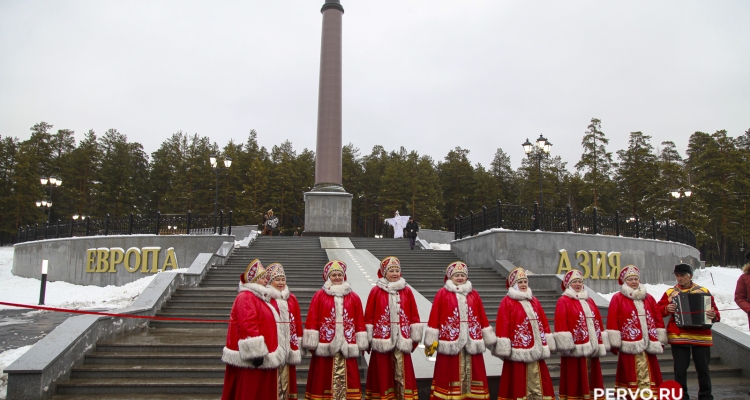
(328, 207)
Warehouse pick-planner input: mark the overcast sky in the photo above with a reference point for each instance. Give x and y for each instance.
(428, 75)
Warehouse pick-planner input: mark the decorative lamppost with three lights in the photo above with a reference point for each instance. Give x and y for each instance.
(681, 194)
(543, 148)
(215, 165)
(53, 182)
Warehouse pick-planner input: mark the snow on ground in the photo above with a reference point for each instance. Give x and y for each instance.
(14, 289)
(440, 246)
(7, 358)
(721, 282)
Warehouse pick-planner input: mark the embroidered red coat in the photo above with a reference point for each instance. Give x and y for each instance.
(392, 317)
(458, 320)
(252, 334)
(522, 328)
(579, 329)
(335, 323)
(634, 323)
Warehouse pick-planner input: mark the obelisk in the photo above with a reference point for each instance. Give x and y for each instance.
(328, 207)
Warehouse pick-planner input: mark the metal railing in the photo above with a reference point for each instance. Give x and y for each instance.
(159, 224)
(514, 217)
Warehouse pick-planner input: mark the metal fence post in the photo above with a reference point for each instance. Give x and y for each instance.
(72, 221)
(221, 222)
(46, 227)
(57, 234)
(637, 226)
(484, 217)
(499, 214)
(130, 225)
(106, 226)
(617, 222)
(36, 230)
(535, 225)
(667, 229)
(88, 220)
(596, 227)
(471, 223)
(229, 224)
(455, 228)
(653, 228)
(189, 220)
(568, 219)
(158, 221)
(19, 234)
(26, 234)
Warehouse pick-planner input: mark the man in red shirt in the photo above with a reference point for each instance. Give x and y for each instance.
(685, 341)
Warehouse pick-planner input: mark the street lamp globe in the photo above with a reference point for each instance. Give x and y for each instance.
(688, 193)
(212, 160)
(227, 162)
(541, 142)
(43, 180)
(527, 146)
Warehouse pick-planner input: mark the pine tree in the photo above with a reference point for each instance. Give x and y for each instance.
(597, 163)
(504, 177)
(637, 173)
(457, 180)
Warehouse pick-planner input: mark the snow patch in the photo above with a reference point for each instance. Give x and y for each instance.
(6, 358)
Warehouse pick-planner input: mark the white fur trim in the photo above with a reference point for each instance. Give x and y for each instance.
(654, 348)
(488, 335)
(661, 333)
(254, 347)
(369, 329)
(550, 337)
(564, 341)
(602, 351)
(337, 290)
(605, 340)
(475, 346)
(232, 357)
(518, 295)
(582, 295)
(362, 341)
(502, 348)
(294, 357)
(391, 287)
(431, 336)
(276, 294)
(634, 294)
(310, 339)
(464, 288)
(259, 291)
(417, 332)
(530, 355)
(615, 338)
(274, 359)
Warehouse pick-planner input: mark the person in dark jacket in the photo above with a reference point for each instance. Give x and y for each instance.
(412, 228)
(742, 291)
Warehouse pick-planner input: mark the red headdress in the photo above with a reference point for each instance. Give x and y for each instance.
(630, 270)
(571, 275)
(388, 263)
(334, 265)
(454, 268)
(253, 271)
(274, 271)
(515, 276)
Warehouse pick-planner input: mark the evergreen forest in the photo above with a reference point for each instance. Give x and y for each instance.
(104, 173)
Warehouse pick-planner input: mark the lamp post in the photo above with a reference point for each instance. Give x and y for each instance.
(543, 148)
(215, 165)
(53, 182)
(44, 204)
(681, 194)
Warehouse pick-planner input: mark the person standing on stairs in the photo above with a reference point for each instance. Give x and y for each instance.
(287, 306)
(459, 331)
(636, 331)
(412, 229)
(335, 334)
(393, 330)
(687, 340)
(524, 341)
(253, 352)
(580, 338)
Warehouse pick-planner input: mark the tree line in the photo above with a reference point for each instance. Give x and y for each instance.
(107, 174)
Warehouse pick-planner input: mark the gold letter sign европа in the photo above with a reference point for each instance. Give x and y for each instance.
(105, 259)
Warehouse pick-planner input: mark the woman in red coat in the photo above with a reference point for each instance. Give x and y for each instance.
(252, 352)
(580, 338)
(393, 329)
(290, 326)
(459, 331)
(524, 341)
(636, 330)
(335, 333)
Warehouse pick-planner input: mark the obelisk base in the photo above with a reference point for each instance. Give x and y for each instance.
(328, 214)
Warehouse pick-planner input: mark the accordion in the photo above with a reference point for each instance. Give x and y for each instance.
(691, 310)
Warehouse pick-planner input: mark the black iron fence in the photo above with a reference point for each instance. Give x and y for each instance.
(159, 224)
(514, 217)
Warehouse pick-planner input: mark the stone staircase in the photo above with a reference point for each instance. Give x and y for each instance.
(172, 359)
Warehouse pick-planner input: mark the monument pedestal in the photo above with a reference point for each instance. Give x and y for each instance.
(328, 214)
